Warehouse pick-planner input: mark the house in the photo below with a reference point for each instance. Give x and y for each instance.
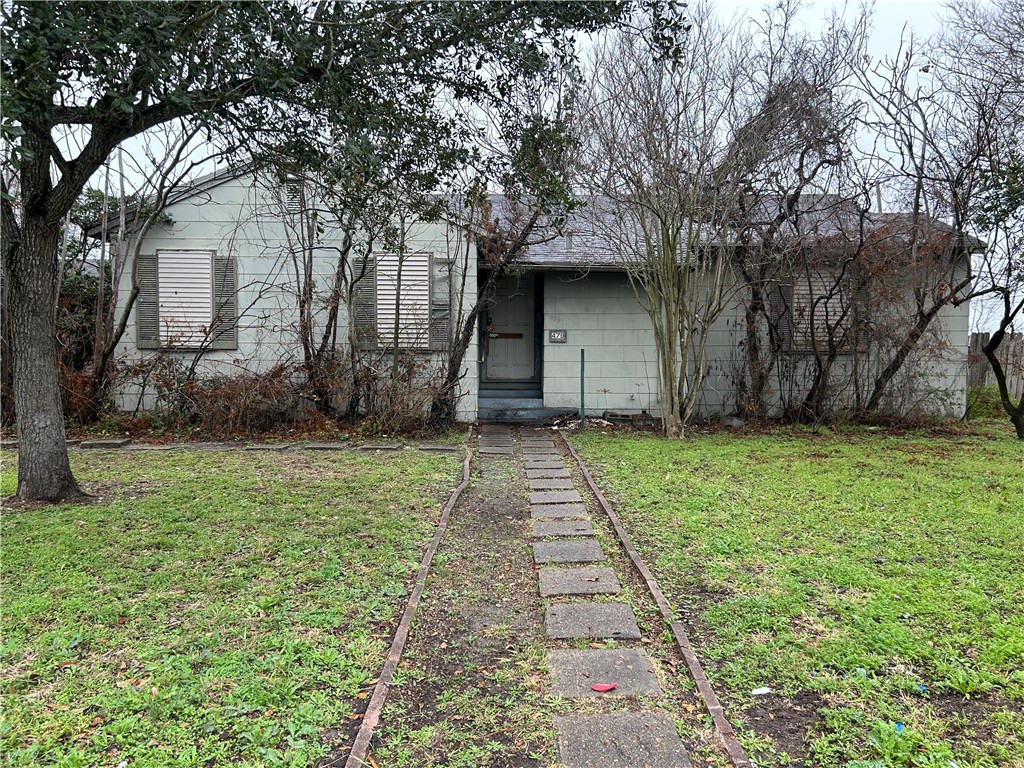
(222, 283)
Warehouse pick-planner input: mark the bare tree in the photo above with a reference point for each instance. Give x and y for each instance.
(170, 156)
(698, 165)
(522, 147)
(985, 65)
(799, 200)
(930, 150)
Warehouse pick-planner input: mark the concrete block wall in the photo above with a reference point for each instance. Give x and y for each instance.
(601, 315)
(242, 217)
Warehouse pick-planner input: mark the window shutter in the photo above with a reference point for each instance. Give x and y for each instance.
(364, 302)
(293, 196)
(224, 330)
(403, 287)
(147, 303)
(861, 317)
(806, 318)
(440, 303)
(780, 302)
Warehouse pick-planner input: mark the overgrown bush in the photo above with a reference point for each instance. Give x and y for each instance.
(176, 397)
(984, 403)
(243, 404)
(397, 398)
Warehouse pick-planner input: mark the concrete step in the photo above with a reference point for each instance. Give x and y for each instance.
(524, 411)
(532, 392)
(510, 402)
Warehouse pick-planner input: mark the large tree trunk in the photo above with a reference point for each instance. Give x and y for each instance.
(753, 404)
(7, 413)
(44, 471)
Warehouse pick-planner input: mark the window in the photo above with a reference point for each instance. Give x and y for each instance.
(413, 289)
(817, 310)
(186, 300)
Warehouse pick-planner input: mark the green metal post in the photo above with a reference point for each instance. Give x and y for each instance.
(583, 402)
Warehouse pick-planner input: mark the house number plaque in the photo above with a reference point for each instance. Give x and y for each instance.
(558, 337)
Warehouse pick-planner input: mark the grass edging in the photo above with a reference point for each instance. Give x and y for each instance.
(361, 746)
(737, 755)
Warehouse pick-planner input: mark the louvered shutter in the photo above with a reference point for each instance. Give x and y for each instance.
(186, 297)
(780, 301)
(801, 309)
(440, 303)
(820, 312)
(403, 287)
(861, 317)
(224, 331)
(294, 203)
(147, 303)
(364, 302)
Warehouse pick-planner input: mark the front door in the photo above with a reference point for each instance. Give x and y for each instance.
(509, 333)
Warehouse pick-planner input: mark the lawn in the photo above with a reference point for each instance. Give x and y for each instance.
(875, 583)
(211, 608)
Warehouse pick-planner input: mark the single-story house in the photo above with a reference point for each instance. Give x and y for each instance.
(222, 276)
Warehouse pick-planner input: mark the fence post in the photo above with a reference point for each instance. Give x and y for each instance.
(583, 404)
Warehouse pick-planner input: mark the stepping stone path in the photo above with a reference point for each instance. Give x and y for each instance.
(591, 620)
(567, 576)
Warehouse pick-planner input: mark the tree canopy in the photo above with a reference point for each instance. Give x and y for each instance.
(80, 78)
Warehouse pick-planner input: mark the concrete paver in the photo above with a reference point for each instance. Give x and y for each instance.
(562, 528)
(551, 484)
(599, 620)
(552, 511)
(105, 443)
(571, 551)
(574, 672)
(538, 474)
(566, 582)
(643, 740)
(555, 497)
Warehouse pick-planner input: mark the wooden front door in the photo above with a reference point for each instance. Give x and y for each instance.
(509, 333)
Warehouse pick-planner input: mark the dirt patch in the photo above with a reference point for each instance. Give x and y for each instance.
(786, 721)
(469, 684)
(969, 719)
(96, 493)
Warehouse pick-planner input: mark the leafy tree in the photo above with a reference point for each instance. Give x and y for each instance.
(81, 78)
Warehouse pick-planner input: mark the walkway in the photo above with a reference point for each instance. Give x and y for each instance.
(572, 581)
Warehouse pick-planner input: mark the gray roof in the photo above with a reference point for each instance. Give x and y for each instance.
(584, 243)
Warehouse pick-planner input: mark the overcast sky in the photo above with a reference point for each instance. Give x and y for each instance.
(889, 17)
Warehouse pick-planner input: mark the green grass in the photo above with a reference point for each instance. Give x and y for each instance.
(880, 578)
(211, 608)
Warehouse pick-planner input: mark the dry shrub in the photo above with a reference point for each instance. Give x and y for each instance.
(397, 398)
(78, 393)
(242, 404)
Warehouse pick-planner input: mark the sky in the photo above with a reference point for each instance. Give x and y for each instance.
(890, 18)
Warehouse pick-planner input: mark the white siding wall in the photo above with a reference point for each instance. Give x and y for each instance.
(601, 314)
(243, 218)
